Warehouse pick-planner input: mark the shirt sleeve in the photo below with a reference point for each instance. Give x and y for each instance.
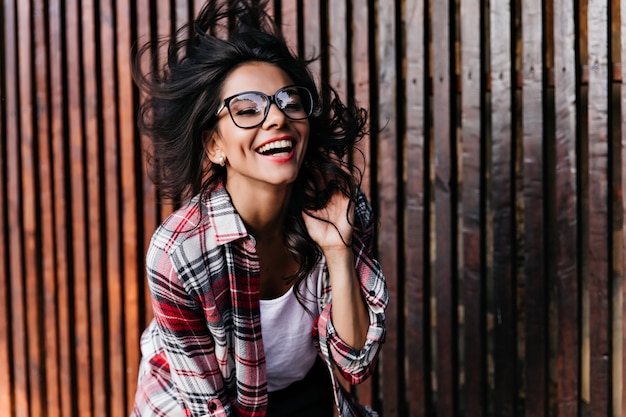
(356, 366)
(187, 343)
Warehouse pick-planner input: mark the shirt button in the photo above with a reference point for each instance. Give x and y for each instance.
(213, 407)
(372, 293)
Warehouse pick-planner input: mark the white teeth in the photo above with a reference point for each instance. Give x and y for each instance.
(279, 144)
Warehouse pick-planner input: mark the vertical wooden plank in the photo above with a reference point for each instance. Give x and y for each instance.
(62, 203)
(163, 10)
(386, 193)
(582, 132)
(335, 62)
(535, 348)
(387, 185)
(131, 243)
(6, 337)
(361, 62)
(566, 305)
(505, 357)
(517, 134)
(149, 211)
(91, 100)
(617, 207)
(28, 192)
(445, 274)
(358, 90)
(598, 210)
(181, 14)
(312, 33)
(487, 163)
(6, 386)
(338, 54)
(289, 23)
(81, 345)
(112, 286)
(334, 71)
(622, 351)
(50, 377)
(418, 368)
(474, 397)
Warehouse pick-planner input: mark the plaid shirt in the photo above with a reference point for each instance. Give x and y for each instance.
(202, 354)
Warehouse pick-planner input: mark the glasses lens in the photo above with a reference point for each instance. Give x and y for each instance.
(295, 102)
(248, 109)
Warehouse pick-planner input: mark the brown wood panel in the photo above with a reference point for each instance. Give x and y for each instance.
(164, 27)
(416, 294)
(338, 52)
(92, 98)
(290, 23)
(312, 33)
(362, 57)
(387, 194)
(61, 203)
(6, 359)
(131, 243)
(472, 291)
(49, 345)
(534, 359)
(29, 224)
(582, 139)
(504, 299)
(622, 329)
(148, 212)
(19, 346)
(6, 405)
(517, 132)
(617, 209)
(79, 292)
(445, 213)
(599, 300)
(112, 286)
(358, 89)
(565, 268)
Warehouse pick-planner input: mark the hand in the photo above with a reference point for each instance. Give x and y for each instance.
(331, 227)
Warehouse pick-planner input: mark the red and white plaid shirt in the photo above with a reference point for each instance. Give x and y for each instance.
(202, 355)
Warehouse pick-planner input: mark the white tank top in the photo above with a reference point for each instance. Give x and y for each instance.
(286, 326)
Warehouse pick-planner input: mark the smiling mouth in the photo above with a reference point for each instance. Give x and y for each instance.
(276, 148)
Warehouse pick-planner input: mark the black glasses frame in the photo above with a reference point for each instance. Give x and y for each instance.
(270, 99)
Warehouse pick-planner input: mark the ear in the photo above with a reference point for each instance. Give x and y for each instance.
(212, 146)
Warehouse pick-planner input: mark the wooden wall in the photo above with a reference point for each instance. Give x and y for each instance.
(496, 165)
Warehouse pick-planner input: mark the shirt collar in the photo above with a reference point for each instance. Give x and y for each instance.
(223, 216)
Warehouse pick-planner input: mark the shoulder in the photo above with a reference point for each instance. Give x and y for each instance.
(188, 222)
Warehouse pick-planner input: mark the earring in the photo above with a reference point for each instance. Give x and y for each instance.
(222, 160)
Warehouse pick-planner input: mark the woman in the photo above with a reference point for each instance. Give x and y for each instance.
(263, 283)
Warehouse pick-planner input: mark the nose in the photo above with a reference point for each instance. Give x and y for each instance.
(275, 116)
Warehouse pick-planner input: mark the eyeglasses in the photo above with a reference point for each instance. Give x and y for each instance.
(249, 109)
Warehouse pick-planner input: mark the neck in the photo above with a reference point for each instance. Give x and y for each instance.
(262, 209)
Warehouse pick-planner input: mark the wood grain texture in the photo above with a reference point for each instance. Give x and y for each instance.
(599, 246)
(535, 360)
(387, 193)
(444, 183)
(472, 294)
(566, 307)
(504, 243)
(7, 115)
(416, 295)
(620, 397)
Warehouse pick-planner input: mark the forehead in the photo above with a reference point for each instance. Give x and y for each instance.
(255, 76)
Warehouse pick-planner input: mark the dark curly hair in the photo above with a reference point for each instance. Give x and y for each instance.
(183, 95)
